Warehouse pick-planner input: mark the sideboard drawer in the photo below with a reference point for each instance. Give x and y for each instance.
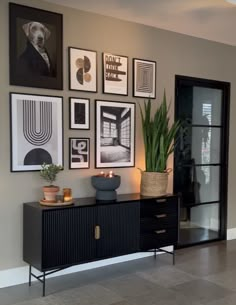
(158, 221)
(159, 238)
(159, 206)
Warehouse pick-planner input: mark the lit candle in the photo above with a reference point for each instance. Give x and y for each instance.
(67, 194)
(110, 174)
(102, 174)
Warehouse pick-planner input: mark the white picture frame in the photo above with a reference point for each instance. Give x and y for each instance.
(82, 70)
(115, 134)
(36, 131)
(115, 74)
(79, 153)
(144, 78)
(79, 112)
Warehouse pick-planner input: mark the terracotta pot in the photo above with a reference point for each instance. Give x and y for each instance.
(50, 193)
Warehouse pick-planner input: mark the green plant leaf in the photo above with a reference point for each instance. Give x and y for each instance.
(159, 136)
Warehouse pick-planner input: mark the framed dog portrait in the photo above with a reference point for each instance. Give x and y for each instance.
(79, 153)
(79, 113)
(36, 131)
(115, 134)
(82, 70)
(35, 47)
(115, 74)
(144, 78)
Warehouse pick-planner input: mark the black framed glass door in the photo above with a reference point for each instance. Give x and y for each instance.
(201, 158)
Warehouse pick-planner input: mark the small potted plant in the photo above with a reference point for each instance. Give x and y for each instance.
(49, 173)
(158, 137)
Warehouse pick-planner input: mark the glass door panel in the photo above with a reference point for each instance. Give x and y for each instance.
(206, 145)
(200, 223)
(198, 184)
(200, 159)
(207, 180)
(207, 104)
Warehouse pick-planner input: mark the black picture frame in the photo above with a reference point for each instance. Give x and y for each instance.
(82, 69)
(36, 131)
(115, 134)
(144, 78)
(79, 113)
(35, 47)
(115, 74)
(79, 153)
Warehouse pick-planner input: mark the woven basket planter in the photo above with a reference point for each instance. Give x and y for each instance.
(153, 183)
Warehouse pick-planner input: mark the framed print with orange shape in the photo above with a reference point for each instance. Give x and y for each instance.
(82, 70)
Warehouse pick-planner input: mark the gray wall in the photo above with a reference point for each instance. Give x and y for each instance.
(174, 53)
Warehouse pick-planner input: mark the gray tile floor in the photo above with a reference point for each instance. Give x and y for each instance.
(203, 275)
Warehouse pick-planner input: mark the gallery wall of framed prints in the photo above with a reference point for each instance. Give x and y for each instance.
(37, 119)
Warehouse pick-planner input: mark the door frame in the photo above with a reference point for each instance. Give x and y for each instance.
(225, 87)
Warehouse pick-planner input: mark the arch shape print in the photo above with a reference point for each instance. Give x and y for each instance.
(37, 127)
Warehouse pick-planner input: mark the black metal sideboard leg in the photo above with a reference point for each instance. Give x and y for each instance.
(155, 253)
(30, 275)
(173, 256)
(42, 277)
(44, 282)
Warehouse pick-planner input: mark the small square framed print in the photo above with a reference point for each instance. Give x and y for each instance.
(79, 153)
(82, 70)
(115, 74)
(144, 78)
(79, 112)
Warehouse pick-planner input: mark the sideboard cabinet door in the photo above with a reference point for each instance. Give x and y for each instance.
(68, 237)
(119, 229)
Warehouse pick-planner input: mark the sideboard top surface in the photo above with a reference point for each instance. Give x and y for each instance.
(91, 201)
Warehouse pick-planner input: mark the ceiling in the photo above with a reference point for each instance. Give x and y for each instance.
(210, 19)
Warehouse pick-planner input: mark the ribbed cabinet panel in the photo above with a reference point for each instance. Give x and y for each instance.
(119, 229)
(68, 236)
(32, 236)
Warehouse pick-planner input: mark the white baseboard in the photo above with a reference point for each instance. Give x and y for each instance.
(20, 275)
(16, 276)
(231, 234)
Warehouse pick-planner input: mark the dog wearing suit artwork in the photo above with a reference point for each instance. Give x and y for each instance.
(35, 60)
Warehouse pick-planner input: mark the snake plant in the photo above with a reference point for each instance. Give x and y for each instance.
(158, 135)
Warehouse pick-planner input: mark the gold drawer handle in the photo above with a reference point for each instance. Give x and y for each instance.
(97, 232)
(161, 216)
(160, 231)
(160, 200)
